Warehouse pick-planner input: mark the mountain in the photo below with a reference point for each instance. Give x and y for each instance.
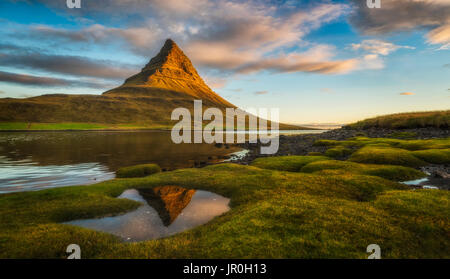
(146, 99)
(170, 71)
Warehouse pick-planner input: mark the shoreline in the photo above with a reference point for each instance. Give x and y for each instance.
(302, 144)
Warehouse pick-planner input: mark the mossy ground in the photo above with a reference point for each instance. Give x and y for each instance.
(274, 214)
(411, 153)
(286, 163)
(334, 211)
(338, 152)
(396, 173)
(138, 171)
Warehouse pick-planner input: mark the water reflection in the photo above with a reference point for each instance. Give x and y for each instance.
(25, 175)
(39, 160)
(176, 209)
(168, 201)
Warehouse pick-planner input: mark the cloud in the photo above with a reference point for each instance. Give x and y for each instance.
(375, 50)
(405, 15)
(30, 80)
(238, 36)
(63, 64)
(407, 93)
(261, 92)
(242, 38)
(138, 39)
(236, 90)
(299, 63)
(378, 47)
(440, 35)
(315, 60)
(327, 90)
(2, 92)
(215, 82)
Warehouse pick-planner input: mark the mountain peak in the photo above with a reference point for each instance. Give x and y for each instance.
(170, 56)
(170, 71)
(170, 63)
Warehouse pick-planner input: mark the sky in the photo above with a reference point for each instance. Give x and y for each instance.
(319, 61)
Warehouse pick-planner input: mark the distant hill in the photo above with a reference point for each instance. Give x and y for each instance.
(412, 120)
(146, 99)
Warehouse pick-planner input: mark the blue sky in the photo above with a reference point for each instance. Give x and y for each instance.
(317, 61)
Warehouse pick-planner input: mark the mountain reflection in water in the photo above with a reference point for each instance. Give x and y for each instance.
(165, 211)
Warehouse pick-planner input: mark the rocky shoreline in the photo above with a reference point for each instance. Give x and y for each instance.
(303, 144)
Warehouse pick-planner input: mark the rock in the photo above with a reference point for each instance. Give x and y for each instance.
(442, 174)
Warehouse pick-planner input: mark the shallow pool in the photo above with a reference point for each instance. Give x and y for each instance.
(166, 211)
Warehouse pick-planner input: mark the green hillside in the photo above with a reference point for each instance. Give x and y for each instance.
(435, 119)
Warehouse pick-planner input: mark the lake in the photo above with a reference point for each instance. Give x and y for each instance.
(40, 160)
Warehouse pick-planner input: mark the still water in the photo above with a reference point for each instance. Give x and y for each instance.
(168, 211)
(39, 160)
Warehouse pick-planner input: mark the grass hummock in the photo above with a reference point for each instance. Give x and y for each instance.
(338, 152)
(138, 171)
(386, 155)
(286, 163)
(396, 173)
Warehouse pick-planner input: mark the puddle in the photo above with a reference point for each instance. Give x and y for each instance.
(167, 210)
(416, 182)
(237, 155)
(430, 183)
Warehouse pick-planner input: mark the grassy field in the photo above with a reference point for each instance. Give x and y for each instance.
(149, 109)
(436, 119)
(24, 126)
(314, 208)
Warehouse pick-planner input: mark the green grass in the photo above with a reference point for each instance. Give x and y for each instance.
(403, 135)
(315, 154)
(396, 173)
(358, 142)
(386, 155)
(286, 163)
(77, 126)
(338, 152)
(435, 156)
(435, 119)
(275, 214)
(138, 171)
